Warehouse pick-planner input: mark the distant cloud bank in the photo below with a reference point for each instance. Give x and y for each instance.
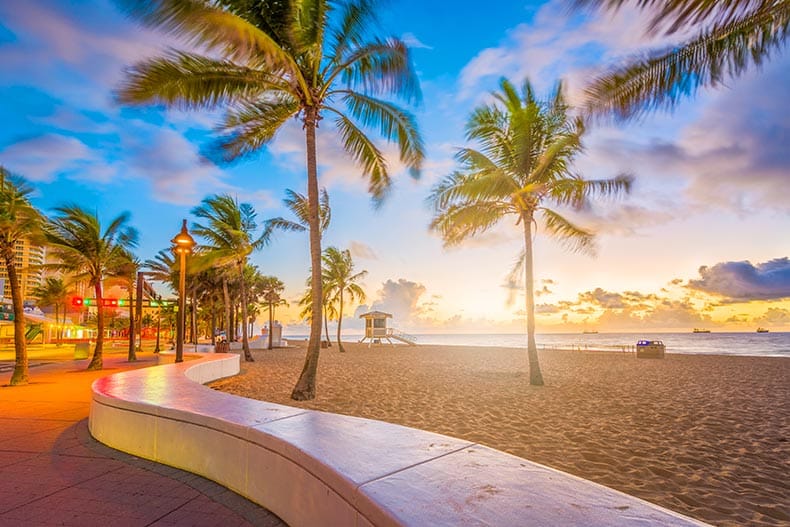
(745, 281)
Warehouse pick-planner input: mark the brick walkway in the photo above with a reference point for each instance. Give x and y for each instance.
(52, 472)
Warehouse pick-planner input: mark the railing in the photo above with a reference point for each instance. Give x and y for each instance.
(400, 334)
(623, 348)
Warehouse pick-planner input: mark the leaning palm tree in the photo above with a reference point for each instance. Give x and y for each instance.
(523, 165)
(86, 252)
(732, 36)
(19, 220)
(269, 61)
(340, 279)
(230, 239)
(53, 292)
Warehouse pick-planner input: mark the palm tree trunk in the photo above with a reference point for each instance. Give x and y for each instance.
(20, 375)
(535, 377)
(245, 342)
(57, 324)
(271, 324)
(339, 322)
(326, 326)
(131, 356)
(96, 361)
(193, 316)
(226, 298)
(305, 386)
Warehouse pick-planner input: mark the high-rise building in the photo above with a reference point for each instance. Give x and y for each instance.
(28, 260)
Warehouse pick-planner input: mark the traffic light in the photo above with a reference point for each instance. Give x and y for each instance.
(121, 302)
(88, 302)
(109, 302)
(77, 301)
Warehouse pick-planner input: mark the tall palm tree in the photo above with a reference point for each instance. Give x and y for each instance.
(53, 292)
(126, 271)
(523, 165)
(328, 309)
(341, 280)
(87, 252)
(732, 36)
(268, 61)
(19, 220)
(230, 238)
(272, 288)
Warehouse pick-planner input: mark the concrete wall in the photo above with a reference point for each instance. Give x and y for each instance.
(314, 468)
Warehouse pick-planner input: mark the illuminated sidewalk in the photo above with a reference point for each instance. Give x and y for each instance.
(53, 473)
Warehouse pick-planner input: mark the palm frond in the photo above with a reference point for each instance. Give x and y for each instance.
(393, 123)
(190, 81)
(675, 14)
(251, 125)
(661, 80)
(380, 66)
(208, 26)
(574, 238)
(355, 18)
(367, 155)
(461, 221)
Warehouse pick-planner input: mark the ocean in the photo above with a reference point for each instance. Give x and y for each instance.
(756, 344)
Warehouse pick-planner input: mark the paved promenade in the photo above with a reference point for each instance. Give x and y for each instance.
(52, 472)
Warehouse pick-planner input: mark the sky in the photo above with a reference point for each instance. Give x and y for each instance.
(702, 240)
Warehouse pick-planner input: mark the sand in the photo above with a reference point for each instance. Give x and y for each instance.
(707, 436)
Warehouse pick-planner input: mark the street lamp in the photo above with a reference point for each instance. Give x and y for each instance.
(182, 246)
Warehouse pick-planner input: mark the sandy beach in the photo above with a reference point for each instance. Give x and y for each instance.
(708, 436)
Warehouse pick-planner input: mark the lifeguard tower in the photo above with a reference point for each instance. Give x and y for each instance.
(376, 329)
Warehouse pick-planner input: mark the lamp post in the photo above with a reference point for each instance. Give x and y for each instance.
(182, 246)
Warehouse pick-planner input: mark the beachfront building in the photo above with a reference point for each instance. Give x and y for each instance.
(28, 260)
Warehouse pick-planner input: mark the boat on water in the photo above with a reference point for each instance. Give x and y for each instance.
(699, 330)
(762, 330)
(589, 332)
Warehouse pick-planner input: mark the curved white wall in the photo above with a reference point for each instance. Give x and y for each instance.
(314, 468)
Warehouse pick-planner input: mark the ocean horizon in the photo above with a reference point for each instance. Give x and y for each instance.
(725, 343)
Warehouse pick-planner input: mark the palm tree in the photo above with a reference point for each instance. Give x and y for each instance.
(340, 279)
(524, 164)
(329, 311)
(86, 252)
(163, 269)
(732, 37)
(272, 288)
(230, 238)
(19, 220)
(126, 271)
(53, 292)
(269, 61)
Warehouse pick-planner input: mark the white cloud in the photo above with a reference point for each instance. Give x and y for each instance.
(362, 250)
(412, 41)
(43, 158)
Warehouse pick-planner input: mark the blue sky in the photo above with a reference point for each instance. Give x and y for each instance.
(699, 242)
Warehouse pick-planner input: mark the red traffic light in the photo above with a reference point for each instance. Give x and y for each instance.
(77, 301)
(109, 302)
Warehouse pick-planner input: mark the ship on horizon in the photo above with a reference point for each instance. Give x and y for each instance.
(700, 330)
(762, 330)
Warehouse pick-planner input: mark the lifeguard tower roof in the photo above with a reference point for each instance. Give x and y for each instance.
(375, 314)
